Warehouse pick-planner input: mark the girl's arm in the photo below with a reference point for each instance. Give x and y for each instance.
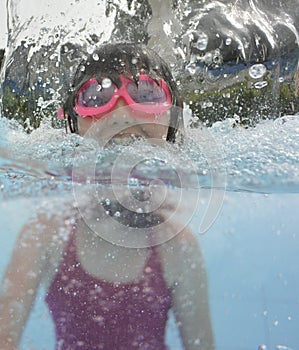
(185, 271)
(21, 280)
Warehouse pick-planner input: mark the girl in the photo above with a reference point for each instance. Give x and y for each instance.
(103, 295)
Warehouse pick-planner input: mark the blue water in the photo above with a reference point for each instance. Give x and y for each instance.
(245, 218)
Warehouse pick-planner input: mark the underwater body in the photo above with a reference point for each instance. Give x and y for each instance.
(235, 178)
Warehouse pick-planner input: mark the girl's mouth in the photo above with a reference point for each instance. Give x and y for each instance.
(124, 139)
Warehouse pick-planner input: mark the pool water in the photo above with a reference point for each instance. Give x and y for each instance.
(237, 188)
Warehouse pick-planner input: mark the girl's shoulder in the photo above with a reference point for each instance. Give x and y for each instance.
(178, 254)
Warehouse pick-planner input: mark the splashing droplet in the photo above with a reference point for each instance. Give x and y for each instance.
(134, 60)
(90, 49)
(228, 41)
(260, 84)
(257, 71)
(202, 41)
(191, 68)
(106, 83)
(262, 347)
(217, 57)
(95, 57)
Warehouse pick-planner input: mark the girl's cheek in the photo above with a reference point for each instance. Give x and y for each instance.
(84, 124)
(155, 130)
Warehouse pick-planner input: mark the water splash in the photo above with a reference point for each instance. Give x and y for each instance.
(234, 74)
(243, 36)
(263, 159)
(217, 42)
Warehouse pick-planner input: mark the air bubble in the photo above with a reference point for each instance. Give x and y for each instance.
(188, 11)
(90, 49)
(82, 68)
(208, 58)
(134, 60)
(257, 71)
(197, 342)
(191, 68)
(228, 41)
(261, 84)
(40, 102)
(133, 181)
(95, 57)
(217, 57)
(202, 42)
(262, 347)
(206, 104)
(106, 83)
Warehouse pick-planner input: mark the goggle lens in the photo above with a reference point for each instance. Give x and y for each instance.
(147, 92)
(93, 94)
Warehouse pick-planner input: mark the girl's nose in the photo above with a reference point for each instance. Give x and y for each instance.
(120, 103)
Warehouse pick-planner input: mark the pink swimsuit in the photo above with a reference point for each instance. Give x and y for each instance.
(90, 313)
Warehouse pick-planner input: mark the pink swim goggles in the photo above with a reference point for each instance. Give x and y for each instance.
(96, 99)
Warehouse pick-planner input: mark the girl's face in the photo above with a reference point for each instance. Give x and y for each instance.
(123, 121)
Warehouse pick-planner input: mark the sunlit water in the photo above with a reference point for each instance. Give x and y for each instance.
(249, 240)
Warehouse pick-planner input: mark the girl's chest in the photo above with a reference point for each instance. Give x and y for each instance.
(106, 261)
